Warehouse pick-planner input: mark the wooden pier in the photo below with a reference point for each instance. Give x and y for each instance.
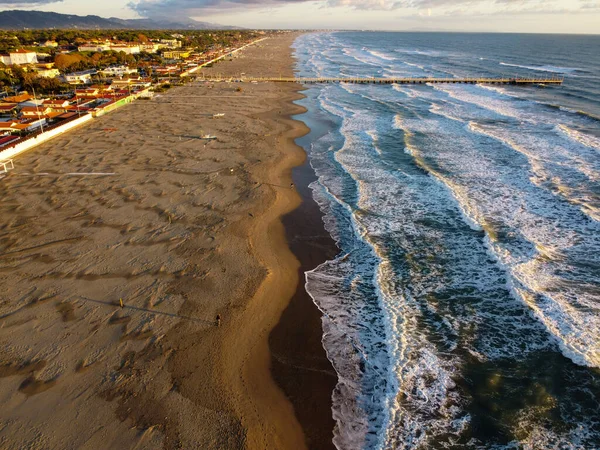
(433, 80)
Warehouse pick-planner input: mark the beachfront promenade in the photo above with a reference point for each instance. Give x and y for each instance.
(433, 80)
(187, 73)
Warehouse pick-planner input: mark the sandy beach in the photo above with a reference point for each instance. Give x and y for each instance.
(136, 209)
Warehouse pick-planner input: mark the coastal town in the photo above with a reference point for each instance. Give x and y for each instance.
(54, 82)
(299, 224)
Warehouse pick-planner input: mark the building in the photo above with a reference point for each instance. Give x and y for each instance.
(22, 126)
(166, 70)
(87, 93)
(131, 83)
(31, 102)
(80, 77)
(176, 54)
(23, 57)
(44, 112)
(7, 139)
(48, 73)
(45, 65)
(57, 105)
(34, 111)
(117, 71)
(22, 97)
(19, 58)
(71, 115)
(170, 43)
(149, 47)
(52, 44)
(125, 48)
(90, 47)
(8, 109)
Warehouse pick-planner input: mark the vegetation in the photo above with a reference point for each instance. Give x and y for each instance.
(14, 77)
(198, 40)
(162, 88)
(75, 61)
(67, 59)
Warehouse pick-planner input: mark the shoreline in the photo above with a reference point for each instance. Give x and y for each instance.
(304, 373)
(299, 362)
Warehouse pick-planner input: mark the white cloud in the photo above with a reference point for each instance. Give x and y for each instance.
(189, 8)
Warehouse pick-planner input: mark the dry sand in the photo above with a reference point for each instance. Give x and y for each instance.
(182, 230)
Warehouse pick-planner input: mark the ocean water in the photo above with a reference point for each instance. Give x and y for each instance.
(463, 310)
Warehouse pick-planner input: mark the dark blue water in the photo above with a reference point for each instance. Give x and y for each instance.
(464, 308)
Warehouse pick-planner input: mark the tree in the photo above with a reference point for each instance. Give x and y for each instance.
(28, 79)
(70, 61)
(6, 79)
(17, 72)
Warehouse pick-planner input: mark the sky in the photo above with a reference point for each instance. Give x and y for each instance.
(533, 16)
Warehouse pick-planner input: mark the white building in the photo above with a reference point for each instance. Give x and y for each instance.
(19, 58)
(48, 73)
(80, 77)
(94, 48)
(170, 43)
(128, 49)
(149, 47)
(117, 71)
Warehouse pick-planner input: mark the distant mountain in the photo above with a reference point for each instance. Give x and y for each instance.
(182, 24)
(19, 19)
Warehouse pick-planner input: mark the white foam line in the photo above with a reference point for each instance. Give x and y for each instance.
(554, 69)
(579, 137)
(70, 174)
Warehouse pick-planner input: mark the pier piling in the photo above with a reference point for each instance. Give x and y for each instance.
(410, 80)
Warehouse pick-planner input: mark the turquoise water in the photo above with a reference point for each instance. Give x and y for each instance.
(463, 308)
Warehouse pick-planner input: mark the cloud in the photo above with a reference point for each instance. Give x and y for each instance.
(27, 2)
(187, 8)
(384, 5)
(194, 8)
(590, 4)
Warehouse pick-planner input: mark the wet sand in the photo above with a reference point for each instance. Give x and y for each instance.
(300, 365)
(181, 230)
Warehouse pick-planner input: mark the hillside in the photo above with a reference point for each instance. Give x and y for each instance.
(19, 19)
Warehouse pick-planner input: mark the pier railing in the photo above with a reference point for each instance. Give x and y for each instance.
(409, 80)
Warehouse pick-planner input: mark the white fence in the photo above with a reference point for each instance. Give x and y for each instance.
(43, 137)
